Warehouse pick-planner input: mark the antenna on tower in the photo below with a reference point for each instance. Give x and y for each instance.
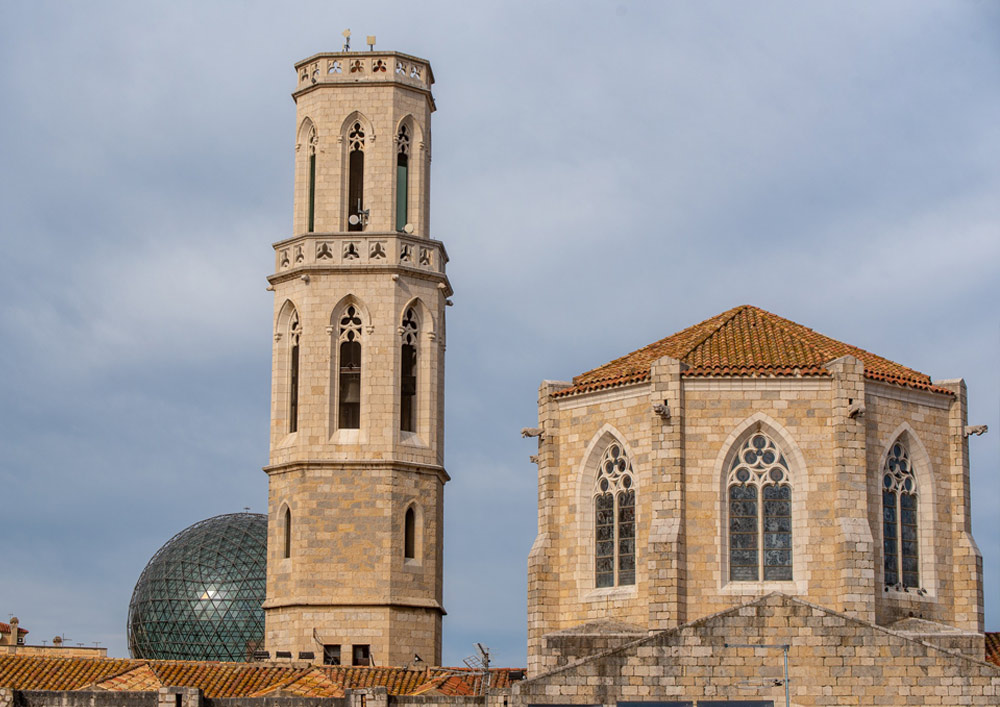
(347, 39)
(370, 40)
(480, 662)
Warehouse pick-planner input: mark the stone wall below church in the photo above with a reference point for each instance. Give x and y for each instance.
(833, 659)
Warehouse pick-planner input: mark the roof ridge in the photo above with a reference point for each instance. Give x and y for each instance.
(712, 332)
(133, 664)
(783, 324)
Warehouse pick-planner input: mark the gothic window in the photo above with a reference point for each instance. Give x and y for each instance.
(286, 530)
(349, 384)
(760, 543)
(408, 373)
(614, 520)
(294, 331)
(312, 179)
(356, 177)
(409, 534)
(402, 176)
(899, 520)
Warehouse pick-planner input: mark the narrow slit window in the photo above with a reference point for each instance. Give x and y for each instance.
(356, 178)
(409, 534)
(312, 192)
(408, 374)
(287, 531)
(402, 177)
(312, 180)
(349, 383)
(295, 332)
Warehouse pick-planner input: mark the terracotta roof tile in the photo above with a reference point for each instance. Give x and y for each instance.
(137, 678)
(22, 672)
(993, 647)
(5, 628)
(218, 680)
(746, 341)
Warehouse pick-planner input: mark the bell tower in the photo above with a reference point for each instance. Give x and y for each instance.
(356, 475)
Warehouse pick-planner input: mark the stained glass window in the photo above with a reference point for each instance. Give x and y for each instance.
(900, 544)
(760, 513)
(614, 520)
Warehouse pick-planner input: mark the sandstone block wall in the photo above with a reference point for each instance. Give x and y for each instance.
(835, 459)
(833, 659)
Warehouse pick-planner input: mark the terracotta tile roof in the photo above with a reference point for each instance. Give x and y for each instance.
(5, 628)
(139, 678)
(993, 648)
(311, 683)
(22, 672)
(218, 680)
(746, 341)
(453, 682)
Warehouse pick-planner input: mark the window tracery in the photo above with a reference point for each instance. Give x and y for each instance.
(356, 177)
(349, 389)
(900, 541)
(760, 543)
(614, 520)
(408, 372)
(402, 176)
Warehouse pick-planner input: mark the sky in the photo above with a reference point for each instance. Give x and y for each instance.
(604, 174)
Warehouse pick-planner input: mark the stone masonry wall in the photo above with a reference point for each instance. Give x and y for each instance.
(833, 660)
(834, 455)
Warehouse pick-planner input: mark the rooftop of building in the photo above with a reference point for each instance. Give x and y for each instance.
(993, 647)
(746, 341)
(219, 680)
(5, 628)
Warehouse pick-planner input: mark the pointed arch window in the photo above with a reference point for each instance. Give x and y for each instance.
(356, 177)
(349, 379)
(312, 178)
(402, 176)
(614, 520)
(759, 494)
(294, 333)
(408, 373)
(900, 544)
(409, 534)
(286, 529)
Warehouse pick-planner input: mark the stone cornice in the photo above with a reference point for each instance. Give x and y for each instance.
(405, 602)
(358, 465)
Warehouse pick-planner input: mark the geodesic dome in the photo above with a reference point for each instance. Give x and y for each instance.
(200, 596)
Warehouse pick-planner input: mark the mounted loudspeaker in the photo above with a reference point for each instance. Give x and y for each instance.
(354, 219)
(408, 228)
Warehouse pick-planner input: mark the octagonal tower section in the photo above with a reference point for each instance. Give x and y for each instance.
(356, 474)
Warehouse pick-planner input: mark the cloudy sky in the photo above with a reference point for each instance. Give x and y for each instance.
(604, 174)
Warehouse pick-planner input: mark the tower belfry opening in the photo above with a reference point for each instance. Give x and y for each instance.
(358, 372)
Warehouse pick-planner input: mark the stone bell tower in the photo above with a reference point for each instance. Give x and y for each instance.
(356, 475)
